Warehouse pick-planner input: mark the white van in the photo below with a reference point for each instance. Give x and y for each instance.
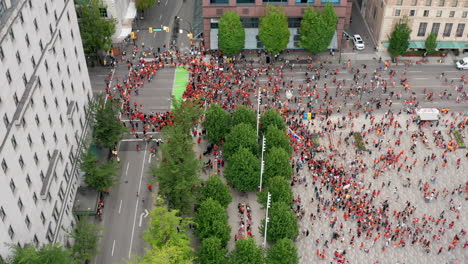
(462, 64)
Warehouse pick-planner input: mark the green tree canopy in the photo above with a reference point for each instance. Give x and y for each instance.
(431, 43)
(216, 189)
(283, 223)
(144, 4)
(277, 164)
(271, 117)
(280, 190)
(231, 34)
(246, 252)
(399, 38)
(276, 137)
(102, 177)
(244, 115)
(49, 254)
(243, 170)
(96, 31)
(169, 254)
(242, 135)
(108, 130)
(273, 29)
(317, 29)
(217, 123)
(283, 252)
(186, 114)
(86, 236)
(212, 220)
(211, 252)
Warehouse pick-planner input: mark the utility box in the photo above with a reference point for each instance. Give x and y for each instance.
(428, 114)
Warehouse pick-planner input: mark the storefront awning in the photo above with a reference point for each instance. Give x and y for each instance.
(440, 44)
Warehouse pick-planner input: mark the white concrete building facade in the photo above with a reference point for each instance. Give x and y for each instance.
(44, 95)
(123, 11)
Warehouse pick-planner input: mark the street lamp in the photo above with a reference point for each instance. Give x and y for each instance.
(262, 164)
(258, 109)
(341, 45)
(266, 219)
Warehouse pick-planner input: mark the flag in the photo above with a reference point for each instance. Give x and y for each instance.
(294, 135)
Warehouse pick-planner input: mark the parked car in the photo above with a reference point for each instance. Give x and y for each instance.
(358, 42)
(462, 64)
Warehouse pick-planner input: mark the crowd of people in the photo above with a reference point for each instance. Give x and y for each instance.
(356, 191)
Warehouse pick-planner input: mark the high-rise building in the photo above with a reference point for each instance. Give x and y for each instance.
(447, 19)
(251, 10)
(123, 11)
(44, 95)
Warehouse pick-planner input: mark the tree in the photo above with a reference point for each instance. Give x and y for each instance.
(186, 114)
(49, 254)
(246, 252)
(242, 135)
(271, 117)
(317, 29)
(216, 189)
(103, 176)
(282, 224)
(280, 191)
(273, 30)
(283, 252)
(399, 38)
(96, 30)
(277, 164)
(212, 220)
(108, 130)
(277, 138)
(217, 123)
(211, 252)
(86, 236)
(431, 43)
(144, 4)
(244, 115)
(243, 170)
(231, 33)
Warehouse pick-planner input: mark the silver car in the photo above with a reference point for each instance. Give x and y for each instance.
(358, 42)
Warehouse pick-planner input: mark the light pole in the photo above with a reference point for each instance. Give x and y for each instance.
(266, 219)
(258, 109)
(190, 24)
(262, 164)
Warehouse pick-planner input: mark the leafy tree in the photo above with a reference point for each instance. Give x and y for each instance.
(96, 31)
(431, 43)
(231, 34)
(243, 170)
(317, 29)
(169, 254)
(271, 117)
(186, 114)
(242, 135)
(217, 123)
(108, 130)
(212, 220)
(277, 138)
(144, 4)
(86, 236)
(280, 191)
(177, 173)
(283, 252)
(399, 38)
(103, 176)
(216, 189)
(244, 115)
(49, 254)
(211, 252)
(273, 30)
(277, 164)
(246, 252)
(282, 224)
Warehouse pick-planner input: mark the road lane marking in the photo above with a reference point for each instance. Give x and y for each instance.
(126, 171)
(143, 215)
(120, 206)
(166, 3)
(137, 200)
(160, 17)
(113, 246)
(149, 159)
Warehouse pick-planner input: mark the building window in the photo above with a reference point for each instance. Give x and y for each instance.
(275, 1)
(12, 35)
(448, 29)
(18, 57)
(422, 29)
(452, 14)
(414, 2)
(2, 213)
(25, 79)
(33, 61)
(20, 204)
(11, 233)
(246, 1)
(4, 166)
(439, 13)
(35, 24)
(2, 7)
(259, 42)
(305, 1)
(454, 3)
(29, 140)
(2, 55)
(250, 22)
(397, 12)
(441, 2)
(6, 120)
(465, 14)
(460, 29)
(26, 37)
(13, 142)
(103, 11)
(21, 161)
(55, 137)
(214, 2)
(466, 4)
(35, 198)
(49, 235)
(43, 139)
(399, 2)
(8, 76)
(294, 22)
(27, 222)
(428, 2)
(36, 159)
(43, 219)
(36, 241)
(426, 13)
(412, 12)
(38, 121)
(28, 180)
(12, 186)
(297, 39)
(41, 45)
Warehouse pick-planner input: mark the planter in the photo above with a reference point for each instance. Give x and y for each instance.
(459, 139)
(359, 142)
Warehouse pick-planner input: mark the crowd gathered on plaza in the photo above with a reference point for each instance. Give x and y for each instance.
(361, 193)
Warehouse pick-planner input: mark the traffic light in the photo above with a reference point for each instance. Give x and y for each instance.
(132, 35)
(150, 30)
